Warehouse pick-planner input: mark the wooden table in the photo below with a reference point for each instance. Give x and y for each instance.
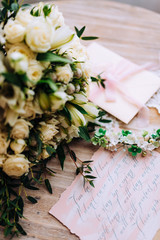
(133, 33)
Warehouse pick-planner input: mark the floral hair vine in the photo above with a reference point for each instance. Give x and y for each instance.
(44, 78)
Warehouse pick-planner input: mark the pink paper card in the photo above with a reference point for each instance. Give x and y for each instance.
(138, 87)
(124, 205)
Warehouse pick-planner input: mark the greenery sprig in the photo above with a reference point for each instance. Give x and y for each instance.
(80, 33)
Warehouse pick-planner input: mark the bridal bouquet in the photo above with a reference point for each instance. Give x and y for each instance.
(44, 77)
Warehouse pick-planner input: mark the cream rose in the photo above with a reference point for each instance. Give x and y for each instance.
(2, 160)
(24, 17)
(34, 72)
(39, 35)
(48, 131)
(18, 145)
(21, 48)
(3, 143)
(30, 111)
(16, 165)
(14, 31)
(20, 129)
(64, 73)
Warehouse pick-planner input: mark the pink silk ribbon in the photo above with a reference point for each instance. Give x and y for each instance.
(114, 75)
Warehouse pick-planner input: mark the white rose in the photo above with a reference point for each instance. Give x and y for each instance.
(18, 145)
(4, 143)
(16, 165)
(14, 31)
(24, 17)
(20, 129)
(56, 17)
(48, 131)
(35, 71)
(39, 35)
(18, 62)
(2, 160)
(64, 73)
(21, 48)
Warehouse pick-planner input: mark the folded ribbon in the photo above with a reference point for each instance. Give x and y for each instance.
(114, 75)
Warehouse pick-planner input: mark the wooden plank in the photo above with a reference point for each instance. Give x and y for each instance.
(131, 32)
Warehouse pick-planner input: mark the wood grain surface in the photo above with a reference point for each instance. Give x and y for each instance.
(133, 33)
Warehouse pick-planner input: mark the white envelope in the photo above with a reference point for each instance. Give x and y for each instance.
(140, 86)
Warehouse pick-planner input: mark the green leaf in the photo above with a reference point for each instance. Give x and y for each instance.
(46, 10)
(61, 155)
(26, 5)
(104, 120)
(39, 143)
(90, 177)
(81, 109)
(31, 199)
(48, 186)
(49, 82)
(101, 113)
(73, 155)
(20, 229)
(89, 38)
(8, 230)
(89, 161)
(31, 187)
(83, 133)
(91, 183)
(35, 13)
(50, 150)
(52, 57)
(80, 32)
(67, 114)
